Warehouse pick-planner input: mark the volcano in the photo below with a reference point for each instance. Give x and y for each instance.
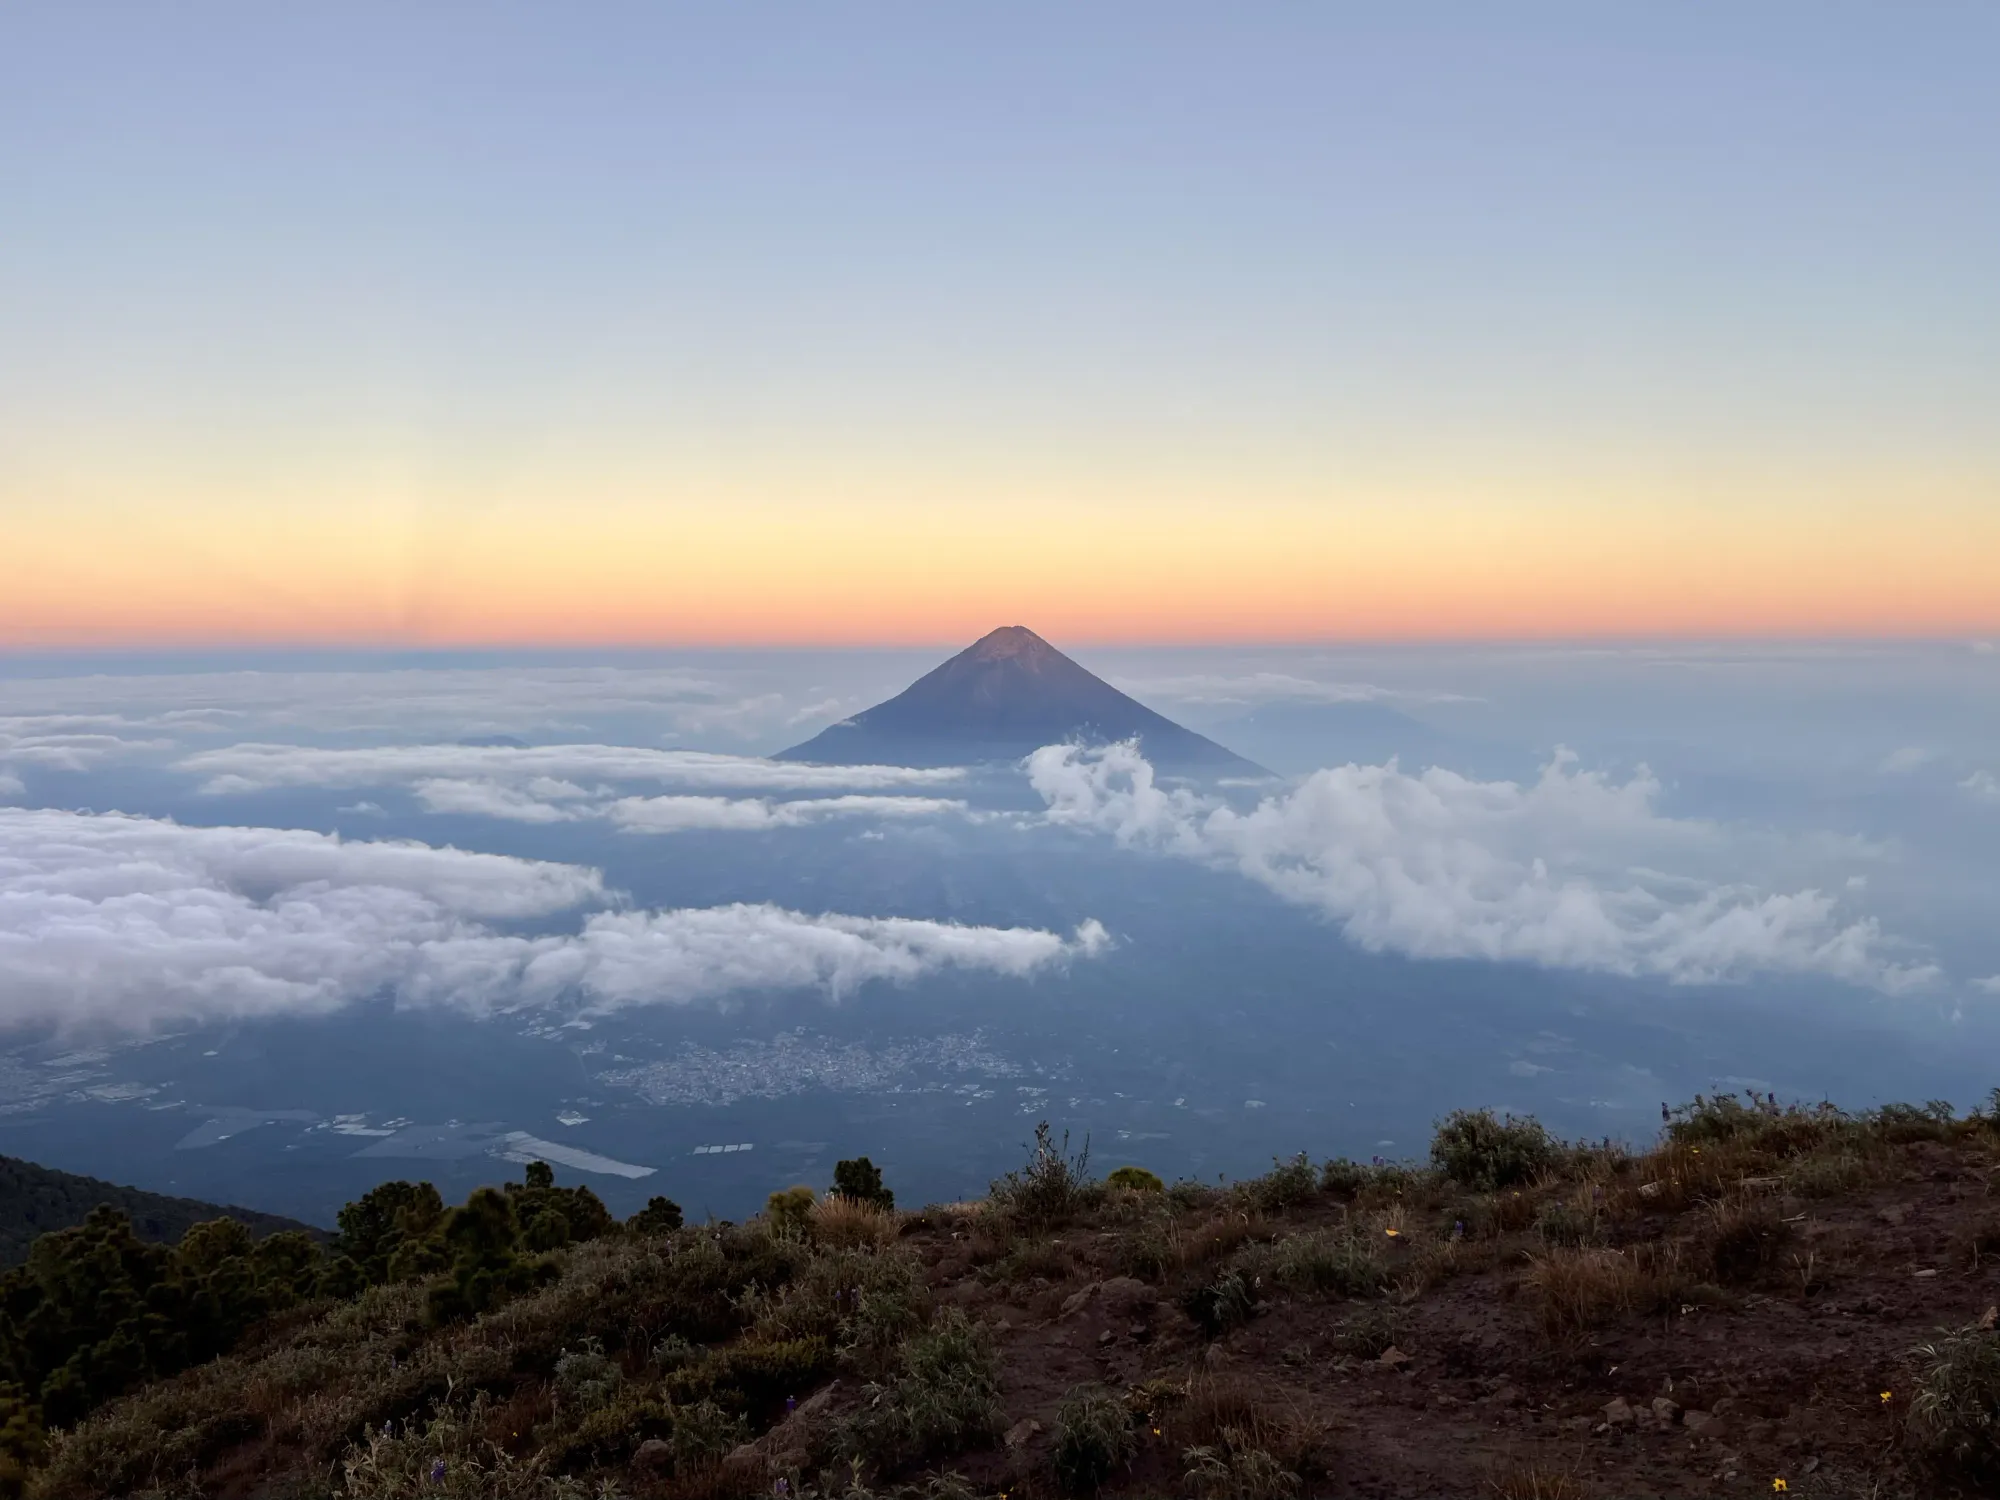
(1006, 694)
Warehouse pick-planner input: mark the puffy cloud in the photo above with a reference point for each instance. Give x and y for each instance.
(543, 800)
(1984, 785)
(257, 767)
(1908, 758)
(623, 959)
(60, 745)
(1561, 872)
(675, 814)
(126, 923)
(1990, 984)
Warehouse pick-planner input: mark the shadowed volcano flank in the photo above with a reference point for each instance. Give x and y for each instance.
(1006, 694)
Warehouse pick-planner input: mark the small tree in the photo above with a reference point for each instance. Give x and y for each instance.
(659, 1216)
(861, 1180)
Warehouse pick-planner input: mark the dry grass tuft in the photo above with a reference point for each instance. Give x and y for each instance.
(846, 1223)
(1583, 1288)
(1231, 1412)
(1535, 1482)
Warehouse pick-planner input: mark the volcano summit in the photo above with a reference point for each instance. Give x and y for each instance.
(1006, 694)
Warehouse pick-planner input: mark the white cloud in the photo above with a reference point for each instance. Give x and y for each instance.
(1984, 785)
(127, 923)
(11, 785)
(1909, 758)
(71, 750)
(256, 767)
(540, 801)
(1438, 866)
(675, 814)
(737, 703)
(1990, 984)
(622, 959)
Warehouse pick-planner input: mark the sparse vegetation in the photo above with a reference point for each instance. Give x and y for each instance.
(1094, 1438)
(832, 1347)
(1474, 1149)
(1955, 1415)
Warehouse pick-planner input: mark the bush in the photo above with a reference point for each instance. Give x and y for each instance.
(1135, 1180)
(1223, 1303)
(1094, 1437)
(1955, 1416)
(1229, 1471)
(447, 1460)
(943, 1398)
(1344, 1262)
(840, 1221)
(1473, 1148)
(1051, 1187)
(790, 1211)
(860, 1181)
(659, 1216)
(1286, 1185)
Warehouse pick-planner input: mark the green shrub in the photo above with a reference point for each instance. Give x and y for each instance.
(861, 1303)
(1136, 1180)
(703, 1434)
(447, 1460)
(943, 1398)
(1955, 1416)
(659, 1216)
(1286, 1185)
(1564, 1223)
(1226, 1471)
(861, 1180)
(1222, 1304)
(585, 1378)
(1094, 1437)
(1899, 1124)
(1051, 1186)
(790, 1211)
(1343, 1262)
(1473, 1148)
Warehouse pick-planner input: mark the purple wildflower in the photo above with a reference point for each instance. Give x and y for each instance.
(437, 1471)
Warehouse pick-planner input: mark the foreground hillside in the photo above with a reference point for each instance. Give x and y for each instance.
(1774, 1299)
(35, 1200)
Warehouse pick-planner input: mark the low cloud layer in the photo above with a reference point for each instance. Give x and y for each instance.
(111, 922)
(251, 768)
(1572, 871)
(676, 814)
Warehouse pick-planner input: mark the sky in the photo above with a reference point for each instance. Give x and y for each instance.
(835, 325)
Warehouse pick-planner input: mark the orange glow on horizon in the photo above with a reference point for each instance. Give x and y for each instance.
(736, 570)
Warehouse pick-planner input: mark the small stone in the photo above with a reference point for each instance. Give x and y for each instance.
(1073, 1303)
(653, 1454)
(1019, 1434)
(1698, 1421)
(1507, 1395)
(1666, 1410)
(1926, 1275)
(1618, 1413)
(1649, 1190)
(1895, 1213)
(1393, 1357)
(1105, 1337)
